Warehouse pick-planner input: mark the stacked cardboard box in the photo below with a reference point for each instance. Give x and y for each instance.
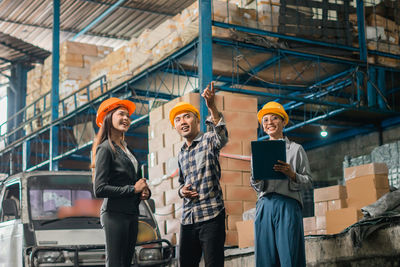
(165, 143)
(365, 184)
(268, 14)
(75, 61)
(154, 45)
(245, 231)
(325, 199)
(383, 34)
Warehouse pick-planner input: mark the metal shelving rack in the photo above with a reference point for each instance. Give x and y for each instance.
(346, 93)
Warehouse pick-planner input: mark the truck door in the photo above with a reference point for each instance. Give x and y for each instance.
(11, 234)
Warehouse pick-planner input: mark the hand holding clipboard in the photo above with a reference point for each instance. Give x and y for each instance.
(269, 160)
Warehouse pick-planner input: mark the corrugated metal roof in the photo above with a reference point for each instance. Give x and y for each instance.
(32, 20)
(16, 50)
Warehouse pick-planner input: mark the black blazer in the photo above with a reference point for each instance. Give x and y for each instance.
(115, 176)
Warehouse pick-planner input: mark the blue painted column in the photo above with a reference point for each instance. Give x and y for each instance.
(205, 55)
(362, 44)
(382, 87)
(53, 165)
(371, 91)
(16, 99)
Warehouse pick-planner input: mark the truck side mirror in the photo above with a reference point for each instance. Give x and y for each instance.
(10, 208)
(152, 205)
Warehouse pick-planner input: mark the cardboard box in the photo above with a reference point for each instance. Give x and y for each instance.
(309, 224)
(337, 204)
(231, 238)
(245, 231)
(320, 222)
(231, 221)
(320, 208)
(365, 190)
(364, 170)
(338, 220)
(370, 196)
(330, 193)
(361, 185)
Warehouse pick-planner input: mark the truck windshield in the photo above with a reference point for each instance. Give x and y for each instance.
(64, 196)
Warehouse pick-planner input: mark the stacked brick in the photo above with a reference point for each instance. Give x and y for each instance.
(338, 207)
(165, 143)
(75, 61)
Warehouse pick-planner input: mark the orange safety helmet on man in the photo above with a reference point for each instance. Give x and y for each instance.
(180, 108)
(110, 104)
(273, 108)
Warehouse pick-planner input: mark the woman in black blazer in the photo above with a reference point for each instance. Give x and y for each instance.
(116, 180)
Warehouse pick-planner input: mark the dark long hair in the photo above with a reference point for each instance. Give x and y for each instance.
(103, 134)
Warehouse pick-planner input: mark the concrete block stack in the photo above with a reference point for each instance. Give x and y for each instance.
(165, 143)
(325, 199)
(75, 62)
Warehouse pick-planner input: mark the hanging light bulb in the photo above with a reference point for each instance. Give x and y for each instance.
(324, 132)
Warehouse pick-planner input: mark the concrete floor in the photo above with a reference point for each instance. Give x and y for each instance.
(381, 248)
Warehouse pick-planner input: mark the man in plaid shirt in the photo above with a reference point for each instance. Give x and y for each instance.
(203, 217)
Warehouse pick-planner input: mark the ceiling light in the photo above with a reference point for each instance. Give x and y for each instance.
(324, 132)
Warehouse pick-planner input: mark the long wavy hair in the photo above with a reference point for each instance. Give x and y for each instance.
(103, 134)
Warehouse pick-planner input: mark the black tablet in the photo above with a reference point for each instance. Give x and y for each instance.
(265, 154)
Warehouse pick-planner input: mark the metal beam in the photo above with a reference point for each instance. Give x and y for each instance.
(228, 80)
(338, 137)
(53, 165)
(315, 119)
(281, 36)
(205, 55)
(310, 101)
(299, 39)
(361, 31)
(390, 122)
(300, 54)
(320, 83)
(96, 20)
(382, 89)
(330, 89)
(266, 64)
(371, 93)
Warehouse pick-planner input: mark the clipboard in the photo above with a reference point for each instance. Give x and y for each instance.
(264, 155)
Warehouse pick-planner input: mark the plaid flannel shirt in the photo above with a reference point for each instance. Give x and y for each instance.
(199, 166)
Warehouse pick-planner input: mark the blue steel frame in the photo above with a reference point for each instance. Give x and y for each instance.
(204, 44)
(53, 165)
(205, 55)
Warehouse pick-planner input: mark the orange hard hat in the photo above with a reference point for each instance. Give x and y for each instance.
(273, 108)
(182, 107)
(110, 104)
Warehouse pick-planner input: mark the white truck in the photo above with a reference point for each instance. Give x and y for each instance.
(52, 219)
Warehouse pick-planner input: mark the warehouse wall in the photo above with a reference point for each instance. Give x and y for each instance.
(327, 161)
